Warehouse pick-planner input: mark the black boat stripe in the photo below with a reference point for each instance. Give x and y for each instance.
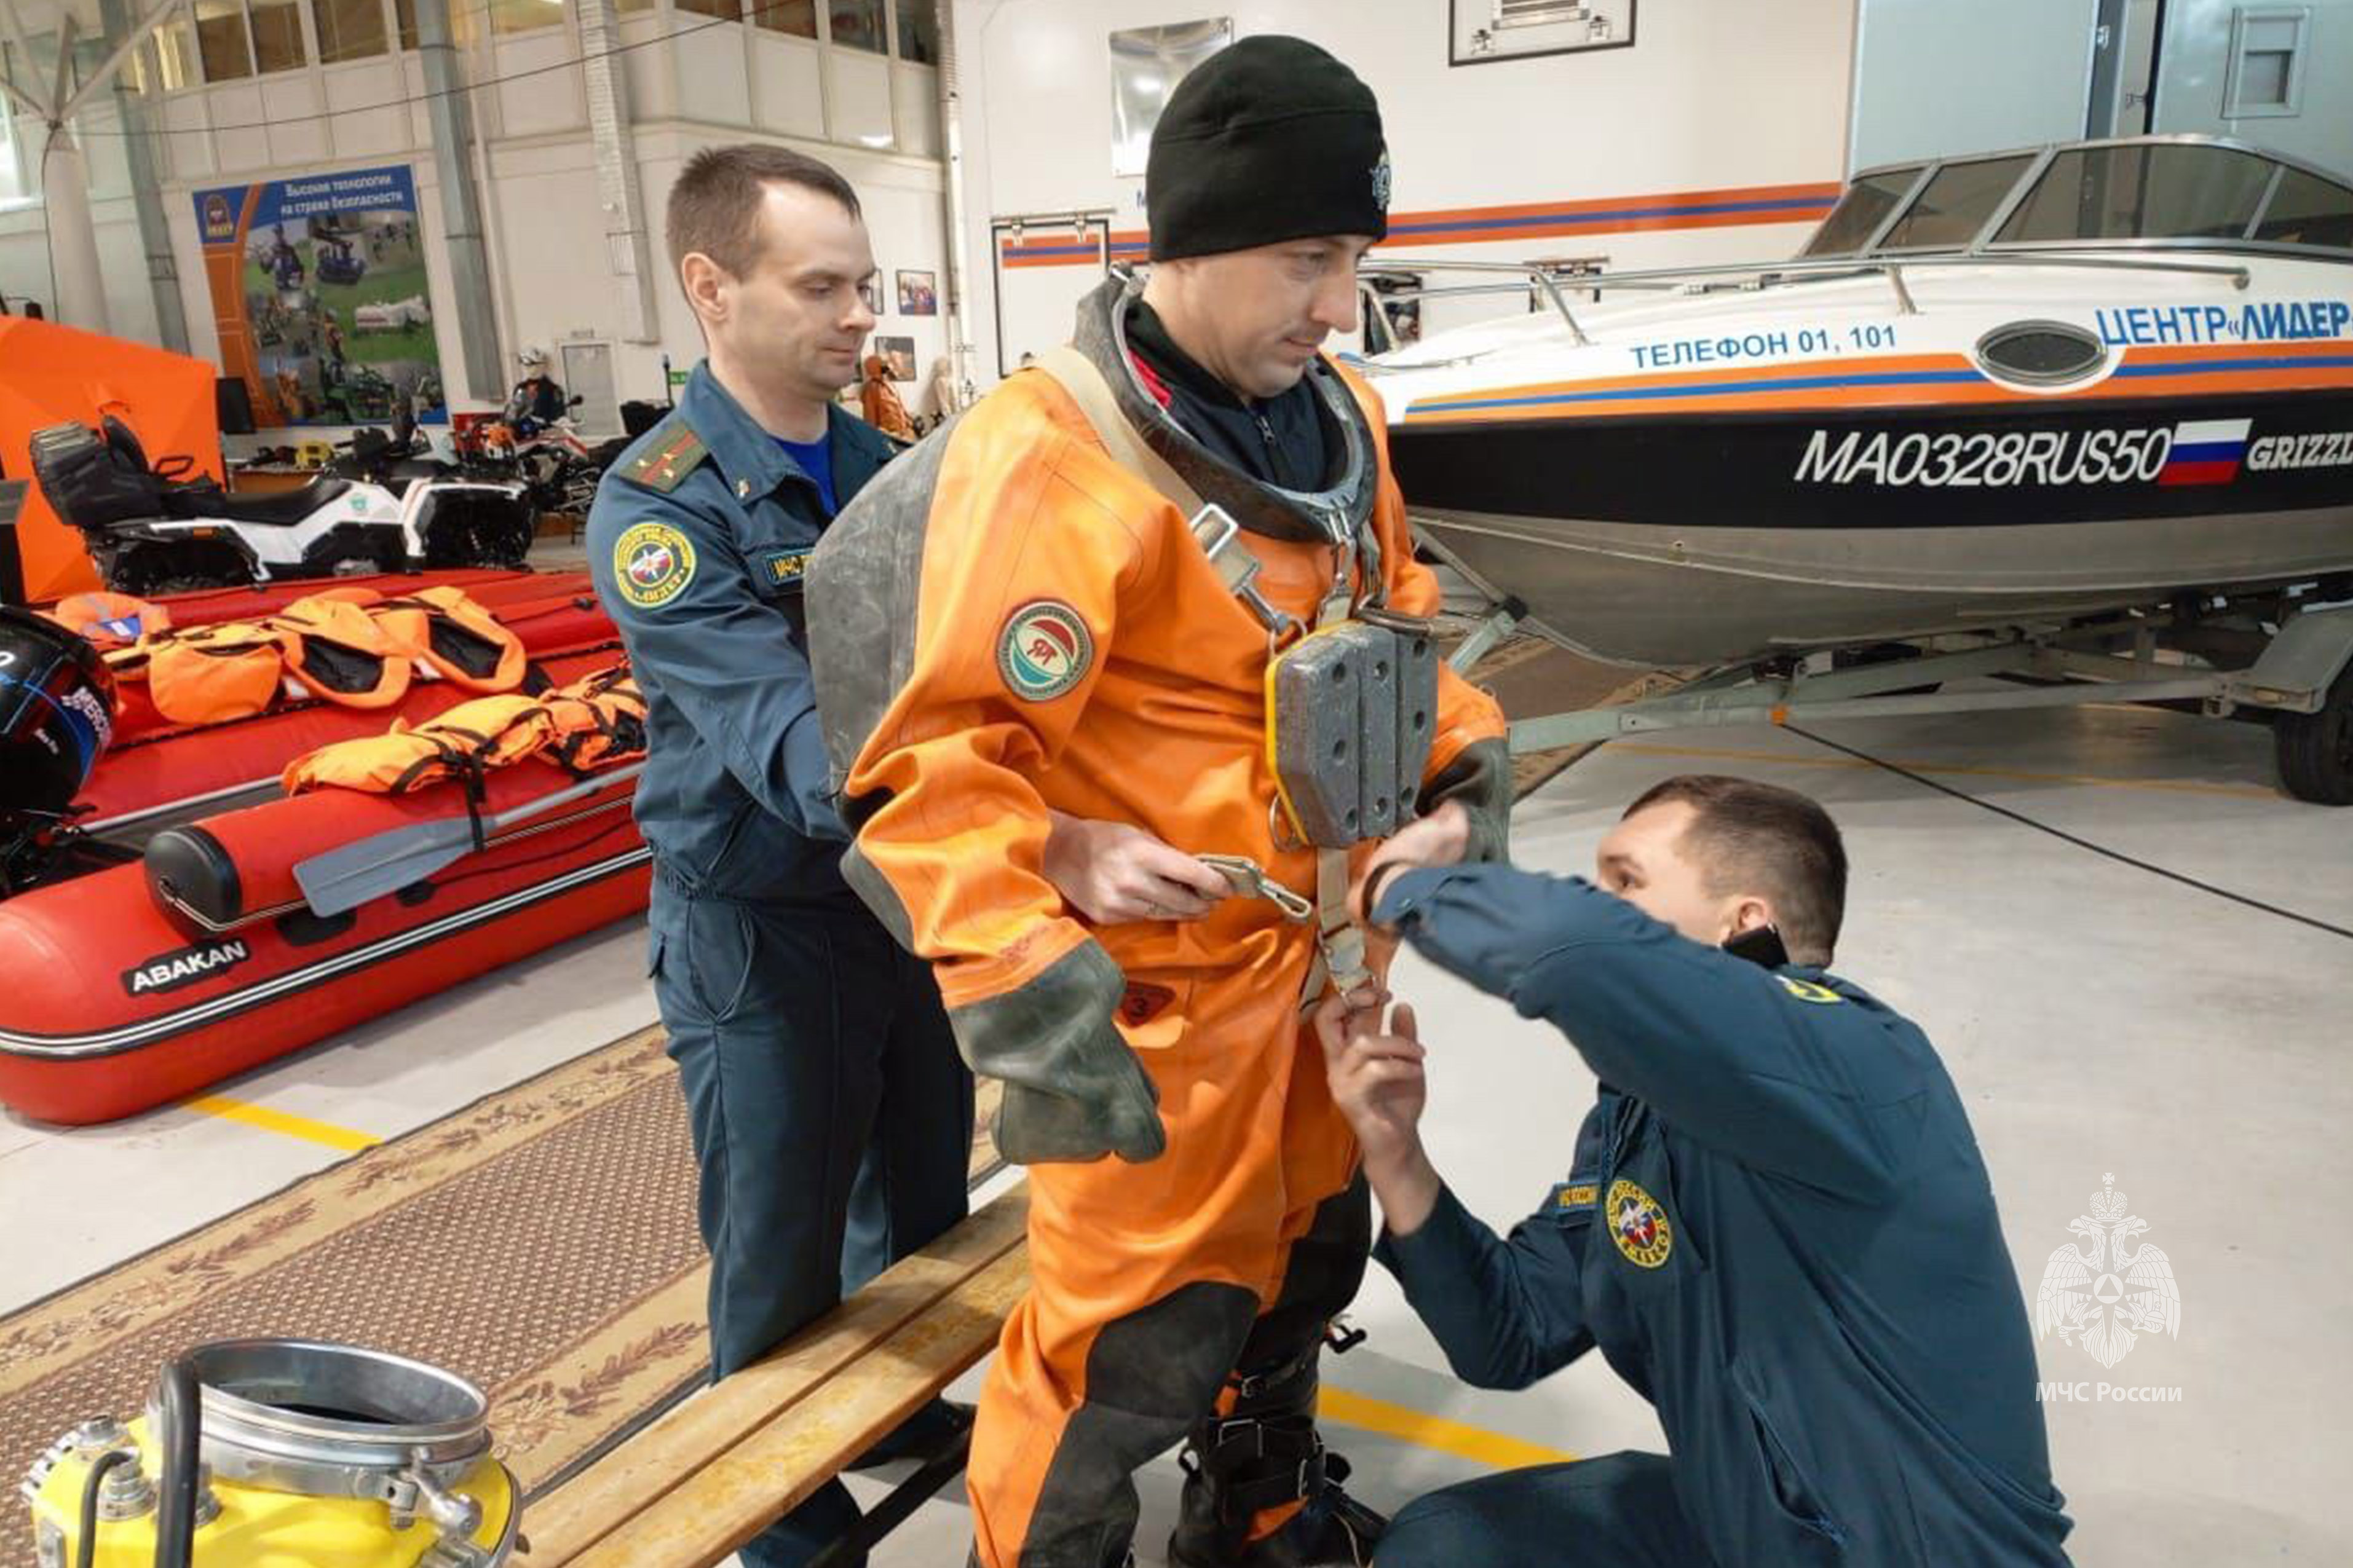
(113, 1042)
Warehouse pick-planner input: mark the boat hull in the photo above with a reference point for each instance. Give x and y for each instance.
(112, 1008)
(1721, 538)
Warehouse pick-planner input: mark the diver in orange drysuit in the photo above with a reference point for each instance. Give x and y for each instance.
(1020, 638)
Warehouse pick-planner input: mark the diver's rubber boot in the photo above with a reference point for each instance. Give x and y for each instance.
(1265, 1455)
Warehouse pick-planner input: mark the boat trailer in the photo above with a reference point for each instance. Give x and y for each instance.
(2271, 660)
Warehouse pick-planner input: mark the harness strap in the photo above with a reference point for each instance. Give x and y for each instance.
(1340, 946)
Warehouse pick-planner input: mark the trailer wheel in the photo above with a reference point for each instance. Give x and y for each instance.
(2315, 749)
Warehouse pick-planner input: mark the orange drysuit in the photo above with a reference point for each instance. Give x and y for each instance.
(1008, 621)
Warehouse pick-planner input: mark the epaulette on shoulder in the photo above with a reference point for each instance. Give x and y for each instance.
(671, 452)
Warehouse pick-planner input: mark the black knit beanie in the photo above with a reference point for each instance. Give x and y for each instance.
(1269, 140)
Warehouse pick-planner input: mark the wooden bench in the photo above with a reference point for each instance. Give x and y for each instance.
(714, 1472)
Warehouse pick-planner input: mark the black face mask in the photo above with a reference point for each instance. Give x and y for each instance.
(1761, 946)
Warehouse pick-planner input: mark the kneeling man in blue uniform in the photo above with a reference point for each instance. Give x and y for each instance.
(1776, 1224)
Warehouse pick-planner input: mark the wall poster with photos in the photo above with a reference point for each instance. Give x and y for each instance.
(320, 297)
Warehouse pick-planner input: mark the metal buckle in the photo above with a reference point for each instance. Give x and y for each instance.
(1249, 880)
(1258, 1435)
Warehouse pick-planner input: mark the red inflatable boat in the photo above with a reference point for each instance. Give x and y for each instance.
(109, 1004)
(124, 985)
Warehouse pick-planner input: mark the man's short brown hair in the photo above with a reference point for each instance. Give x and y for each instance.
(1752, 838)
(714, 208)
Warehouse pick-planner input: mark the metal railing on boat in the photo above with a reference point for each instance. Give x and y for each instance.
(1759, 275)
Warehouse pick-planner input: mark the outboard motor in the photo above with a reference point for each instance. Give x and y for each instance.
(57, 715)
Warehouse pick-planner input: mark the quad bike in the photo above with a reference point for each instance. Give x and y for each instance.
(396, 461)
(557, 469)
(153, 530)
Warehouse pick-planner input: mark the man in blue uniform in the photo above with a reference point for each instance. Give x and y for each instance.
(1776, 1224)
(826, 1096)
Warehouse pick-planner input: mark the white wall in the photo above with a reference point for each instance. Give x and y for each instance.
(1934, 77)
(874, 119)
(1722, 96)
(546, 220)
(2193, 70)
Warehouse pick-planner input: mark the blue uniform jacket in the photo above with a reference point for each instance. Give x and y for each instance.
(699, 541)
(1776, 1226)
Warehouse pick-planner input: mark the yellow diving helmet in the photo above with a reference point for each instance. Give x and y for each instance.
(274, 1453)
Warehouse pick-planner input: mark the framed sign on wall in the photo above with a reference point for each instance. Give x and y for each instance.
(1483, 32)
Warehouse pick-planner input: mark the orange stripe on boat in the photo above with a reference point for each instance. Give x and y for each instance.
(1894, 381)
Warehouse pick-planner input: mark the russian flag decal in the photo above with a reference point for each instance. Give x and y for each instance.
(2205, 452)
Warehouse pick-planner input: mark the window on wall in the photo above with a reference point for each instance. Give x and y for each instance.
(463, 14)
(2266, 61)
(221, 40)
(730, 10)
(919, 31)
(278, 36)
(517, 15)
(12, 177)
(857, 25)
(175, 53)
(797, 17)
(348, 29)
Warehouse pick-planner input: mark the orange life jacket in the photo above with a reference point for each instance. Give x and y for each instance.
(597, 719)
(461, 744)
(340, 652)
(209, 674)
(457, 638)
(108, 621)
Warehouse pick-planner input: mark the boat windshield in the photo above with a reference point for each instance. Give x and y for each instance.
(1861, 211)
(2096, 193)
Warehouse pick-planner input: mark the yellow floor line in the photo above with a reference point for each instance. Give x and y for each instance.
(293, 1126)
(2172, 786)
(1491, 1449)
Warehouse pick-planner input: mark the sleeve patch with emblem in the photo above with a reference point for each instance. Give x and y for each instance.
(652, 564)
(1044, 650)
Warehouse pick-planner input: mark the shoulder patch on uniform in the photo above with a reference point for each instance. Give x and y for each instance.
(1806, 991)
(668, 460)
(652, 564)
(1575, 1194)
(780, 568)
(1044, 650)
(1638, 1226)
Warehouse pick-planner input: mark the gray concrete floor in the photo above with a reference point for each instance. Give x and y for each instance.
(2098, 1019)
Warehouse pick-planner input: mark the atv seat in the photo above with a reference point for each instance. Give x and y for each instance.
(280, 508)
